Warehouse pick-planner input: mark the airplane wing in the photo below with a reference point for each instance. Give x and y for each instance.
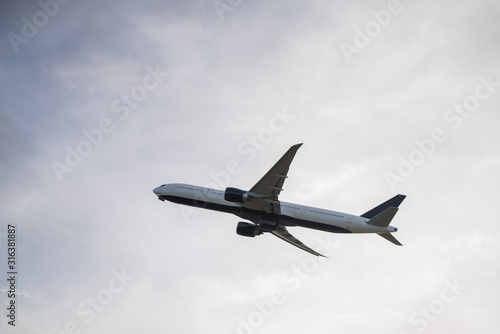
(264, 196)
(282, 233)
(265, 192)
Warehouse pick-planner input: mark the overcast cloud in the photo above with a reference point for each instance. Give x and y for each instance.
(103, 101)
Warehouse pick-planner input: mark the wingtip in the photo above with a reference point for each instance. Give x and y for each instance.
(318, 254)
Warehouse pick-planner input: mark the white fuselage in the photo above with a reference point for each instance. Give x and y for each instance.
(291, 214)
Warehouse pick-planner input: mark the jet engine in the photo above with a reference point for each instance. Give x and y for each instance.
(248, 229)
(235, 195)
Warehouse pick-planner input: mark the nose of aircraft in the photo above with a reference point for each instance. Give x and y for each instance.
(157, 189)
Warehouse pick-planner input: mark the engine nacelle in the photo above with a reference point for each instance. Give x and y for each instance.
(248, 229)
(235, 195)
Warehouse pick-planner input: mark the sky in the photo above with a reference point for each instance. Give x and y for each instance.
(103, 101)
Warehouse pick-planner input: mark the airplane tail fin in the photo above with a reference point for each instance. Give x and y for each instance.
(392, 203)
(383, 214)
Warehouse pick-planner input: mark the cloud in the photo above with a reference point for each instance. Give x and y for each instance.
(227, 80)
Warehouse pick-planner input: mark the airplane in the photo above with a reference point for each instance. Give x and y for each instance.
(260, 205)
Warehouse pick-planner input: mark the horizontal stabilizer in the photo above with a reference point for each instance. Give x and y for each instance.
(384, 218)
(390, 237)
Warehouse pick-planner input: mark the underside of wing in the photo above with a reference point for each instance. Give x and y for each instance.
(282, 233)
(265, 192)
